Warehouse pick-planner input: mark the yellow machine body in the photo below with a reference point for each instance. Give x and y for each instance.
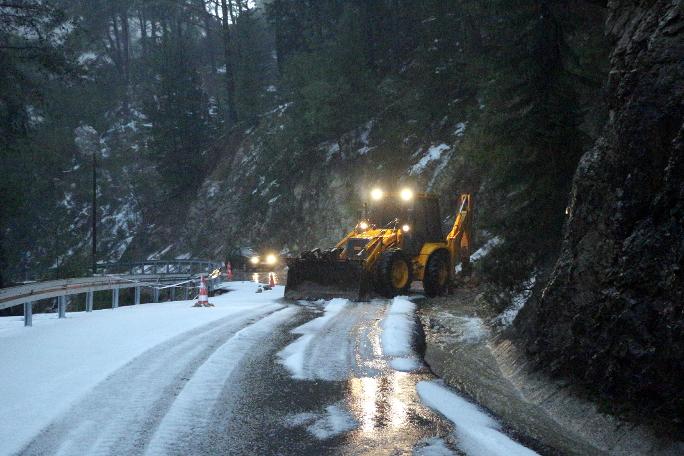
(372, 260)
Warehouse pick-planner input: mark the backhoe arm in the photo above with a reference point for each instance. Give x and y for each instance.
(459, 238)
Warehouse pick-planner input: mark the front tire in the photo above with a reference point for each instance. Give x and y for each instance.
(393, 274)
(436, 278)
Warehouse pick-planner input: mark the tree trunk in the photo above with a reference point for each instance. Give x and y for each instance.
(231, 113)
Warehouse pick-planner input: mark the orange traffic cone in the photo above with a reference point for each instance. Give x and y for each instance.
(271, 280)
(203, 298)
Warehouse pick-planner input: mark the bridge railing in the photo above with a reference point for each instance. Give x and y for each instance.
(187, 281)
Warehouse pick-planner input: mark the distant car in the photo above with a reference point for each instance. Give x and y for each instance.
(266, 261)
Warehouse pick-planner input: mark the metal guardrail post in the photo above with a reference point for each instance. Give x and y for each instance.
(155, 293)
(137, 296)
(173, 293)
(28, 314)
(186, 292)
(115, 298)
(61, 306)
(89, 301)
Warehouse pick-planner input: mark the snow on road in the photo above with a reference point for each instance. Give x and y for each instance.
(478, 433)
(334, 421)
(346, 340)
(294, 356)
(339, 344)
(47, 369)
(191, 411)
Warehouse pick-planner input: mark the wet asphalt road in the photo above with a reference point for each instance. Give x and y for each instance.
(383, 402)
(221, 389)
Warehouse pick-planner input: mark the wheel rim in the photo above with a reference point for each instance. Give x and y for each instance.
(400, 274)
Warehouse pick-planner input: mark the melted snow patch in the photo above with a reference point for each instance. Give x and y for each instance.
(472, 329)
(478, 433)
(433, 153)
(335, 420)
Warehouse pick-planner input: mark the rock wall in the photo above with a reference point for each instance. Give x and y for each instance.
(612, 315)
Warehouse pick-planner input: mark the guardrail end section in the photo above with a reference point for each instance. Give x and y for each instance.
(28, 314)
(61, 306)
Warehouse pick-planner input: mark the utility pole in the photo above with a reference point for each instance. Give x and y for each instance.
(87, 141)
(94, 212)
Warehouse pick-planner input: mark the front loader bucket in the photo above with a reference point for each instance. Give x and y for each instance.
(326, 278)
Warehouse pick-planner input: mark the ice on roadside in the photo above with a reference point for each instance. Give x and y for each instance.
(335, 420)
(398, 334)
(477, 433)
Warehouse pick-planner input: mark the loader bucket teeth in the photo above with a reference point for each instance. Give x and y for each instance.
(321, 276)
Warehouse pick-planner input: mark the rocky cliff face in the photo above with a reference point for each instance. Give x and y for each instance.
(612, 314)
(314, 194)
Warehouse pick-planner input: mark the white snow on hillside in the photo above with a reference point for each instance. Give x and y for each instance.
(517, 302)
(364, 138)
(434, 153)
(460, 128)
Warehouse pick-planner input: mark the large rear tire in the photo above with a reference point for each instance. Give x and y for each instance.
(393, 274)
(436, 279)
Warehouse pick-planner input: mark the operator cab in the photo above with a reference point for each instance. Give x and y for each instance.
(420, 213)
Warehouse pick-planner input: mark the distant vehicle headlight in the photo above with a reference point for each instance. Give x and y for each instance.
(254, 260)
(271, 259)
(406, 228)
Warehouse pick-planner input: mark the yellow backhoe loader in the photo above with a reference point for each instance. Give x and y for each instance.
(398, 241)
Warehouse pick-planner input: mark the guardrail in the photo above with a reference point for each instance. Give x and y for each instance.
(191, 266)
(28, 294)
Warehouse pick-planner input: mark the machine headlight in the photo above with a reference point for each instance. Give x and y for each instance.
(377, 194)
(254, 260)
(271, 259)
(363, 225)
(406, 228)
(406, 194)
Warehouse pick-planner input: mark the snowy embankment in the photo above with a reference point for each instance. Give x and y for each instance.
(49, 367)
(399, 335)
